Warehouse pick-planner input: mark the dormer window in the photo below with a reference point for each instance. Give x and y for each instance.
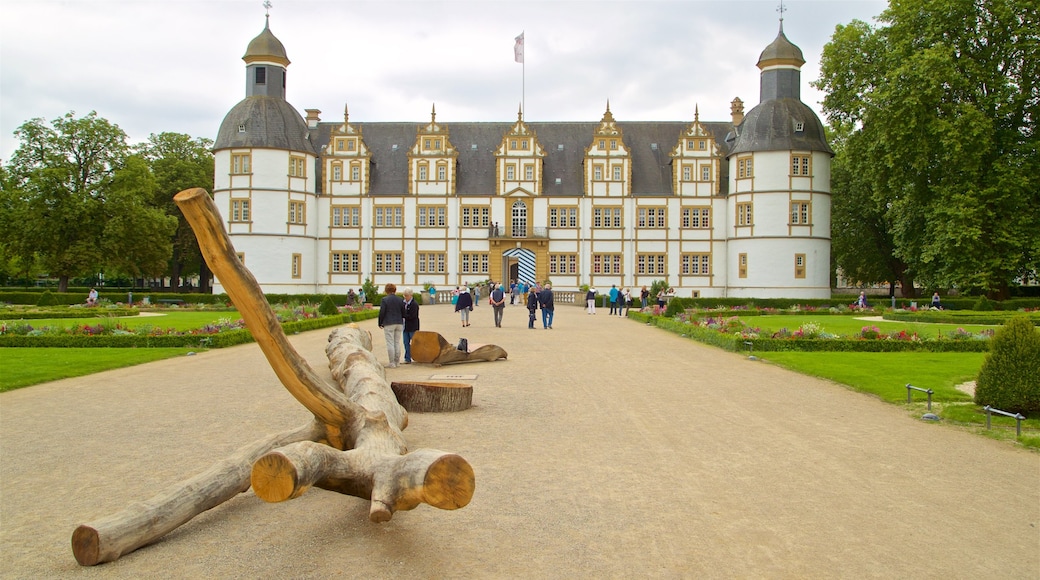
(701, 144)
(261, 75)
(242, 128)
(523, 145)
(613, 144)
(799, 126)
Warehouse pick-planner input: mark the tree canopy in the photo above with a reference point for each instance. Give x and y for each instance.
(938, 166)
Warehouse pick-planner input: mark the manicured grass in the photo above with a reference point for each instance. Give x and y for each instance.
(850, 326)
(187, 320)
(21, 367)
(886, 374)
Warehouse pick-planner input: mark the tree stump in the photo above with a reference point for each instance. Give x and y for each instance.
(433, 397)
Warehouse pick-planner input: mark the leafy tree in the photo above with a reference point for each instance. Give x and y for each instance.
(137, 237)
(180, 162)
(943, 102)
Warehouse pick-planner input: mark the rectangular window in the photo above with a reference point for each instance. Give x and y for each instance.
(800, 213)
(476, 216)
(744, 214)
(389, 216)
(742, 266)
(800, 165)
(705, 172)
(430, 262)
(388, 263)
(346, 216)
(597, 173)
(606, 217)
(442, 173)
(474, 263)
(297, 212)
(432, 216)
(297, 166)
(696, 217)
(745, 167)
(799, 265)
(261, 75)
(651, 217)
(695, 264)
(241, 163)
(650, 263)
(346, 263)
(337, 172)
(528, 171)
(510, 172)
(422, 173)
(563, 263)
(355, 172)
(617, 173)
(297, 265)
(240, 210)
(687, 173)
(606, 263)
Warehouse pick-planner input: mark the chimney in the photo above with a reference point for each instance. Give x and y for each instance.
(312, 117)
(736, 109)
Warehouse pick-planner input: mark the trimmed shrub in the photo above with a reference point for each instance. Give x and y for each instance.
(47, 299)
(328, 307)
(984, 304)
(1010, 375)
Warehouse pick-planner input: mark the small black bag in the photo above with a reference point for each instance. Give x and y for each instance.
(463, 345)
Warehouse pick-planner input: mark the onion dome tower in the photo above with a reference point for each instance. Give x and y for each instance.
(779, 203)
(265, 174)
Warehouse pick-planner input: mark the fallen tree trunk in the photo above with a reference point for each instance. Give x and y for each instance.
(431, 347)
(360, 415)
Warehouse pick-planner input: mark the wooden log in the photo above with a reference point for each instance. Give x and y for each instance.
(142, 523)
(427, 346)
(433, 397)
(431, 347)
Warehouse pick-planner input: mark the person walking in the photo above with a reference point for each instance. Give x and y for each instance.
(644, 295)
(545, 300)
(626, 301)
(613, 298)
(590, 300)
(391, 320)
(464, 305)
(620, 302)
(498, 304)
(411, 323)
(433, 294)
(532, 306)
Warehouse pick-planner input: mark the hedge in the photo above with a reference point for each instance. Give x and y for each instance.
(955, 317)
(736, 343)
(12, 314)
(219, 340)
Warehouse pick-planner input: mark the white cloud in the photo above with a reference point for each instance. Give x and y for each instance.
(152, 66)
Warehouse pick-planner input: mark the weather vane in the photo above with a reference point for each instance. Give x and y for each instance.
(267, 7)
(780, 9)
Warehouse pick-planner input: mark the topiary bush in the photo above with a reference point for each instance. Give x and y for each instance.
(328, 307)
(1010, 375)
(984, 304)
(47, 299)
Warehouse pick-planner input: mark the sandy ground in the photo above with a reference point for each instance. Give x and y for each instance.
(602, 448)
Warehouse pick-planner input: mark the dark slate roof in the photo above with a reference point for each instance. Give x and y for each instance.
(270, 122)
(770, 126)
(651, 168)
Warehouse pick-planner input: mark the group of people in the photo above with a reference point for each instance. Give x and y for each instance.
(399, 319)
(620, 300)
(538, 297)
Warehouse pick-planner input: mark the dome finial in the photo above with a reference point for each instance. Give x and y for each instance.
(696, 113)
(433, 114)
(346, 114)
(267, 13)
(781, 9)
(520, 112)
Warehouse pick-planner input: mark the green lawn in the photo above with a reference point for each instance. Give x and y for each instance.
(849, 325)
(179, 320)
(886, 374)
(21, 367)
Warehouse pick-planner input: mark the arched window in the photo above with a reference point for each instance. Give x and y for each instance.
(519, 219)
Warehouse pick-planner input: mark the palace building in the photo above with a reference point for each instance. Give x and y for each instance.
(723, 208)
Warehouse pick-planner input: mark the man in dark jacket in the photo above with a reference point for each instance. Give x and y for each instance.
(532, 306)
(391, 320)
(498, 303)
(411, 323)
(545, 299)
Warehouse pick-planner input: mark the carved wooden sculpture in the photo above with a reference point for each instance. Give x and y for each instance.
(353, 445)
(431, 347)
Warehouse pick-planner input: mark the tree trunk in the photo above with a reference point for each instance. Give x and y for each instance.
(353, 446)
(431, 347)
(63, 283)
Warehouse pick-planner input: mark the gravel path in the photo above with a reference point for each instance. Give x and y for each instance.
(602, 448)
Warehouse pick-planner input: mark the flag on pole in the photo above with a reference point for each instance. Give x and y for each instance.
(518, 49)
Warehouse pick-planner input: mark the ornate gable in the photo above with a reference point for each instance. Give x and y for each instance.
(432, 160)
(608, 162)
(696, 161)
(347, 160)
(518, 160)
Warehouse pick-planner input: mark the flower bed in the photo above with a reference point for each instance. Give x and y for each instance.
(733, 334)
(38, 313)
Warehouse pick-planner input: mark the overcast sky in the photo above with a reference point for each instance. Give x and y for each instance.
(175, 65)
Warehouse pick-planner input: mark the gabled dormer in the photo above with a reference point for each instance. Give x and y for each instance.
(431, 160)
(347, 160)
(696, 161)
(518, 160)
(608, 162)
